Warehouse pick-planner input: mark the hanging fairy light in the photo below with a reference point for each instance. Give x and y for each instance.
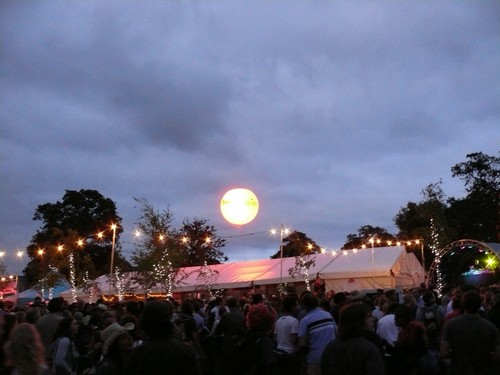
(435, 251)
(305, 270)
(120, 287)
(72, 278)
(207, 276)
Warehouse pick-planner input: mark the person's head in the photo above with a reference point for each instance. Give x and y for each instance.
(339, 299)
(260, 318)
(403, 315)
(354, 320)
(289, 304)
(55, 305)
(156, 319)
(108, 317)
(116, 338)
(471, 302)
(68, 327)
(32, 315)
(133, 307)
(231, 302)
(187, 308)
(309, 301)
(24, 349)
(257, 298)
(428, 297)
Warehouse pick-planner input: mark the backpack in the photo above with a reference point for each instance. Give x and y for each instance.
(430, 320)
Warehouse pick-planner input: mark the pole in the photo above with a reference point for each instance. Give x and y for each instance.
(113, 227)
(281, 255)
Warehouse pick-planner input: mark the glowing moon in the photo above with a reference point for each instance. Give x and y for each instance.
(239, 206)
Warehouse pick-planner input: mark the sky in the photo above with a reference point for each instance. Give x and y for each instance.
(336, 114)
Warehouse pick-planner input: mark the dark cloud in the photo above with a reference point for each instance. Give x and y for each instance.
(335, 113)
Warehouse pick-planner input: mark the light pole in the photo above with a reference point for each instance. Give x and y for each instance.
(283, 231)
(113, 228)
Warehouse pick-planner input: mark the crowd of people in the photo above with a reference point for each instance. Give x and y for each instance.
(416, 332)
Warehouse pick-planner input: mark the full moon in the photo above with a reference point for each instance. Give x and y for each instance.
(239, 206)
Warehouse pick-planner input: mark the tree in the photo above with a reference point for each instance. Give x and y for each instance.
(297, 244)
(71, 227)
(366, 235)
(199, 243)
(477, 216)
(425, 221)
(157, 254)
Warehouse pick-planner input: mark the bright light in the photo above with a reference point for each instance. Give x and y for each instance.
(79, 243)
(2, 253)
(40, 252)
(19, 254)
(491, 262)
(60, 248)
(137, 233)
(239, 206)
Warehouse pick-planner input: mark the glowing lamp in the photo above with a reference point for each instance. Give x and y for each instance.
(239, 206)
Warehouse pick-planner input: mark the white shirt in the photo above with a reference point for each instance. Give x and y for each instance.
(285, 326)
(387, 329)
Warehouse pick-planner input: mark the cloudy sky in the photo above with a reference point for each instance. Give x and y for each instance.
(335, 113)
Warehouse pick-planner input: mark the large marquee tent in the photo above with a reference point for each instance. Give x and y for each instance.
(348, 270)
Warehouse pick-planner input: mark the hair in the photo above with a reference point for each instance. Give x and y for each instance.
(64, 329)
(289, 304)
(257, 298)
(55, 305)
(133, 307)
(309, 301)
(231, 302)
(471, 301)
(155, 319)
(428, 297)
(24, 350)
(352, 322)
(261, 318)
(32, 315)
(187, 308)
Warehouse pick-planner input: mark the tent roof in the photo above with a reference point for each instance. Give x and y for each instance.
(369, 262)
(364, 262)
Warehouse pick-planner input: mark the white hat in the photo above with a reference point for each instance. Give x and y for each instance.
(112, 332)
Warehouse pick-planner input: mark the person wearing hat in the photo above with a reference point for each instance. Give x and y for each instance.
(116, 348)
(160, 353)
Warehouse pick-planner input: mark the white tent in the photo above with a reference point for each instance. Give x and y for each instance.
(366, 269)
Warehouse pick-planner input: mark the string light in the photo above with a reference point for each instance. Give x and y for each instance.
(72, 278)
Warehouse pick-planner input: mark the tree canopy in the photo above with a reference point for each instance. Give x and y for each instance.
(297, 244)
(162, 249)
(71, 226)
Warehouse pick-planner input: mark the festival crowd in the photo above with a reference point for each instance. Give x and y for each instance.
(415, 332)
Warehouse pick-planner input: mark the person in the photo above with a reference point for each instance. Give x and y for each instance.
(25, 351)
(431, 315)
(231, 331)
(386, 326)
(471, 342)
(286, 336)
(316, 330)
(160, 353)
(350, 352)
(116, 347)
(410, 347)
(48, 323)
(260, 322)
(64, 354)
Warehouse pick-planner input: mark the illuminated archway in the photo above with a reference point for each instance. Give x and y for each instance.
(434, 274)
